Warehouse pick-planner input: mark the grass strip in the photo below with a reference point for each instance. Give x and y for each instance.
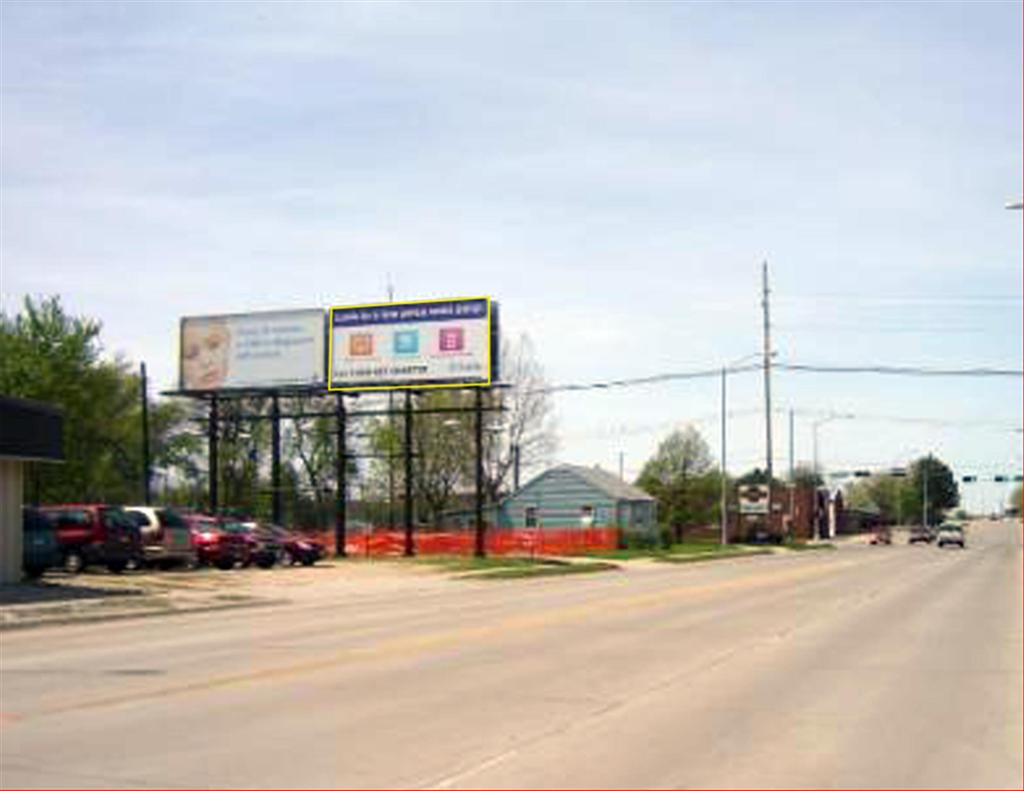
(688, 548)
(723, 555)
(546, 570)
(808, 547)
(461, 563)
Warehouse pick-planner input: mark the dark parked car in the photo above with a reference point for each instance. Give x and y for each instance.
(921, 533)
(297, 548)
(95, 535)
(166, 537)
(40, 546)
(215, 545)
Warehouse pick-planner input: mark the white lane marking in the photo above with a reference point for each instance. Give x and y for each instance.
(451, 780)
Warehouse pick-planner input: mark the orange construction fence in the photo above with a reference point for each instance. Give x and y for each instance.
(499, 541)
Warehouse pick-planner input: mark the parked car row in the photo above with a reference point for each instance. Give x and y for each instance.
(75, 537)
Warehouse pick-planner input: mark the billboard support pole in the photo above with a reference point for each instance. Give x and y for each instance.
(341, 495)
(410, 549)
(212, 435)
(144, 395)
(480, 547)
(275, 459)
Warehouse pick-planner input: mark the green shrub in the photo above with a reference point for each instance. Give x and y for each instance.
(636, 539)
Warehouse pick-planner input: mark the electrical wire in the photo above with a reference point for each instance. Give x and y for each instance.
(899, 370)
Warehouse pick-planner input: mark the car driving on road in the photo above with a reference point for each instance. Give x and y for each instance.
(951, 533)
(921, 533)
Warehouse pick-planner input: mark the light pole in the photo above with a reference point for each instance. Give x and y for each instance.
(814, 427)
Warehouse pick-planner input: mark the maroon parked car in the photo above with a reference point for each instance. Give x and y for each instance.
(91, 534)
(215, 545)
(298, 548)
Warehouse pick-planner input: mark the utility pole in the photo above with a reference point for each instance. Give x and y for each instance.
(341, 476)
(275, 461)
(622, 458)
(480, 541)
(792, 473)
(924, 505)
(391, 436)
(767, 385)
(410, 548)
(724, 505)
(146, 473)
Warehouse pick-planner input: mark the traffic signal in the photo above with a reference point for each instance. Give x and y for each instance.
(898, 472)
(861, 473)
(1018, 478)
(1000, 479)
(969, 478)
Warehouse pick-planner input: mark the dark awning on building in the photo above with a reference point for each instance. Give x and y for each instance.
(30, 430)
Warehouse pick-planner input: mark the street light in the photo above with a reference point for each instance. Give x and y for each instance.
(814, 426)
(1015, 205)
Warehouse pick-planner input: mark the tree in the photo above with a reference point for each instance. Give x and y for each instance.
(682, 478)
(527, 423)
(49, 355)
(1015, 498)
(943, 493)
(804, 476)
(890, 497)
(515, 417)
(444, 452)
(757, 476)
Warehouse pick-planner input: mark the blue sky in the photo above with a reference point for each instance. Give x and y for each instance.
(613, 173)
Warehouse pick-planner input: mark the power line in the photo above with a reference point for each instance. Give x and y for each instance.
(886, 370)
(900, 370)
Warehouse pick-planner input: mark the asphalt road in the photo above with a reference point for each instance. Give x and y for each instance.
(868, 666)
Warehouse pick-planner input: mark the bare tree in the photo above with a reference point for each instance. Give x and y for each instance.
(527, 423)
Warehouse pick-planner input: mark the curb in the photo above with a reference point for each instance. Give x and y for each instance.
(124, 616)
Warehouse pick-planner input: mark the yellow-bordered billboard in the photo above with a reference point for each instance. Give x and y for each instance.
(427, 343)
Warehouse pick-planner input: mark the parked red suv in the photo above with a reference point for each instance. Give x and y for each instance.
(214, 545)
(92, 534)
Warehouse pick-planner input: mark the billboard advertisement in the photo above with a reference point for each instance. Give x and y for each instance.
(252, 350)
(439, 343)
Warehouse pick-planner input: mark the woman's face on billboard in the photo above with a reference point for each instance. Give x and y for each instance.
(205, 350)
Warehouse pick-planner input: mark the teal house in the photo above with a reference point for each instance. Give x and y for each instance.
(571, 496)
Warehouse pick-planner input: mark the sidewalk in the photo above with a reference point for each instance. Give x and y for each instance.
(83, 600)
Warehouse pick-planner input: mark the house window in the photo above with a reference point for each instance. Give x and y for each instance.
(587, 515)
(530, 515)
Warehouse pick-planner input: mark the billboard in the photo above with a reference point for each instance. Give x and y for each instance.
(431, 343)
(252, 350)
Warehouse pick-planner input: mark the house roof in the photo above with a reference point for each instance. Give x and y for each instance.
(606, 482)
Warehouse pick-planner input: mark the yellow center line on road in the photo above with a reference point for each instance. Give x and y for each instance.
(407, 647)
